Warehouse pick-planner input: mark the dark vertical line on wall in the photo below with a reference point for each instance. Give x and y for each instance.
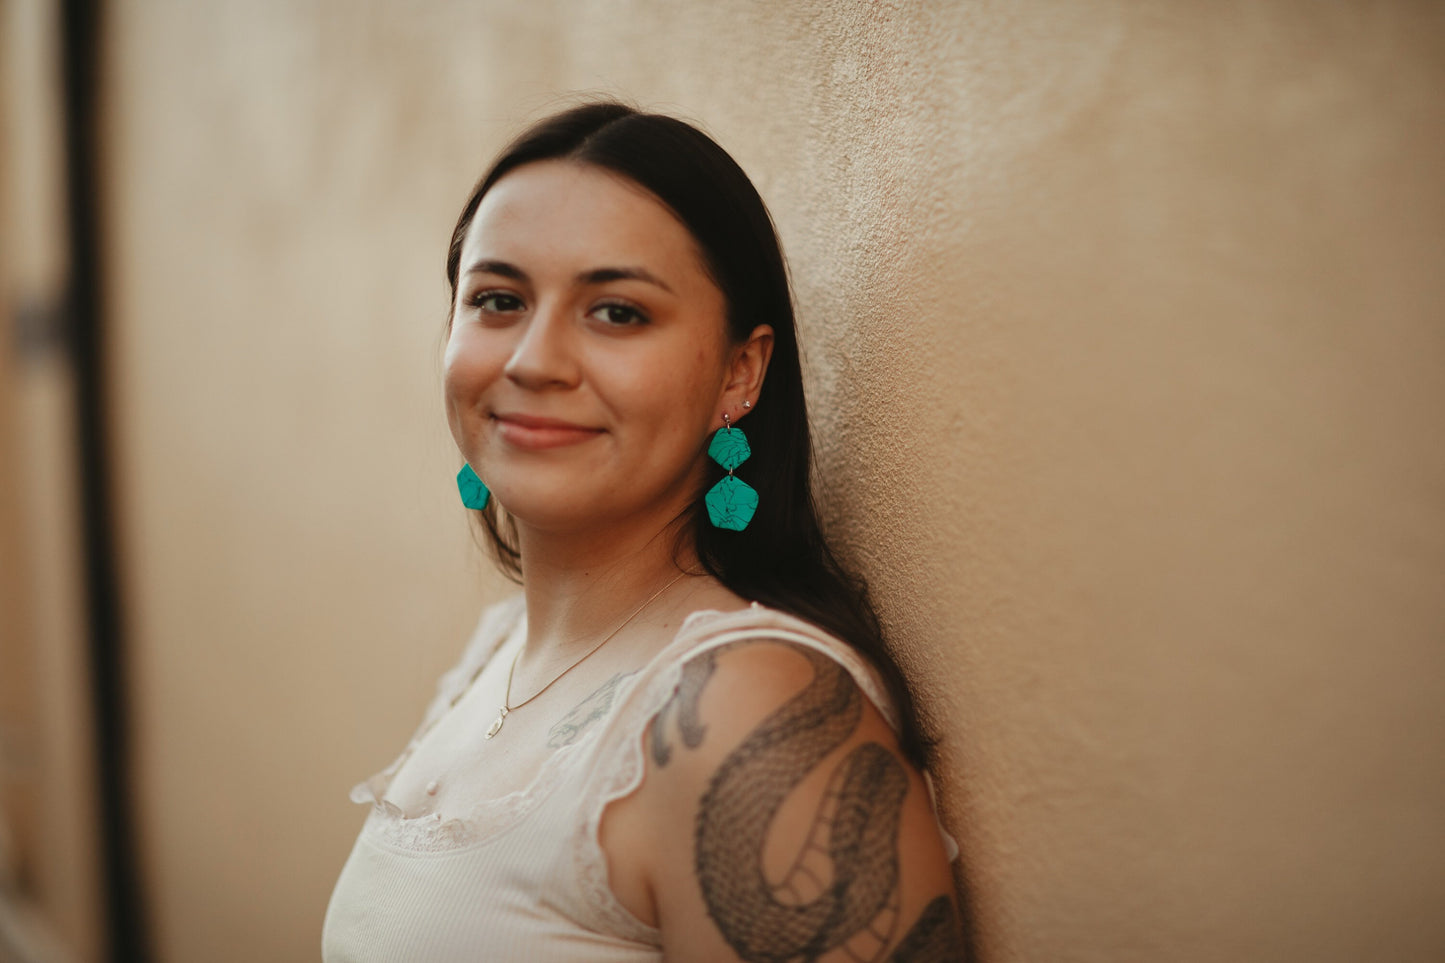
(124, 924)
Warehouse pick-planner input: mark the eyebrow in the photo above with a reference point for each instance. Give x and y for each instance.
(602, 275)
(595, 276)
(501, 268)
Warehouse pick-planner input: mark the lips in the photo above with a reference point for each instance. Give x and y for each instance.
(536, 433)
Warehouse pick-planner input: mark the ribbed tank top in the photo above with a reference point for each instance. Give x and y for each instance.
(524, 877)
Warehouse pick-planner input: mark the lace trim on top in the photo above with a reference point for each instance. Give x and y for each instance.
(620, 764)
(488, 818)
(433, 833)
(622, 761)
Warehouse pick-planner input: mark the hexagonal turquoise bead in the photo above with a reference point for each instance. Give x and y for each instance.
(731, 503)
(729, 448)
(474, 492)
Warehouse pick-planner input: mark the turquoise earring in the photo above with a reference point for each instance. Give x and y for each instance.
(732, 501)
(474, 491)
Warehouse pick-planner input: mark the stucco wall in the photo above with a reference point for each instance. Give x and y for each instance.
(1124, 334)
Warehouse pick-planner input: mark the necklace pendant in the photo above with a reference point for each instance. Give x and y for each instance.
(496, 727)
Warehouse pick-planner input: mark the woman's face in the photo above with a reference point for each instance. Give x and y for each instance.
(588, 359)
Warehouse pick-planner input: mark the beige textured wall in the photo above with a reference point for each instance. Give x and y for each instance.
(1127, 358)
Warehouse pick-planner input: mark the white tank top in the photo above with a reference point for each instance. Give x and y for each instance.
(524, 877)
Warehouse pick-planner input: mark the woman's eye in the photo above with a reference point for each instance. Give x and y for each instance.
(495, 302)
(619, 314)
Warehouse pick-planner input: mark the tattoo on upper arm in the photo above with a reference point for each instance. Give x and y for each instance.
(841, 891)
(588, 711)
(934, 938)
(695, 674)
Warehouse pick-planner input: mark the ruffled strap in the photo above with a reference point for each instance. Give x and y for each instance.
(495, 626)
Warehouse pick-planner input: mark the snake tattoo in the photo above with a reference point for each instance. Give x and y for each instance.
(841, 892)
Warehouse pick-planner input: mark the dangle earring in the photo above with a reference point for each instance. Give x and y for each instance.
(732, 501)
(474, 491)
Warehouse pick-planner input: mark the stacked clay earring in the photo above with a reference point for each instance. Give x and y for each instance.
(474, 491)
(732, 501)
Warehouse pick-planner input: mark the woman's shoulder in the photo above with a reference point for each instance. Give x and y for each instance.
(770, 732)
(757, 670)
(498, 622)
(500, 616)
(770, 650)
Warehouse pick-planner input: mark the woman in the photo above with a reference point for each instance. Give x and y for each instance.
(684, 738)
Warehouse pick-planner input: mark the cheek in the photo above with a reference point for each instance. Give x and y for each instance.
(469, 366)
(471, 358)
(679, 393)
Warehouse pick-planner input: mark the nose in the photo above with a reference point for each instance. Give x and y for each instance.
(544, 357)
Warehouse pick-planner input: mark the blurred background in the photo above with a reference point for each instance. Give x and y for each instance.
(1125, 333)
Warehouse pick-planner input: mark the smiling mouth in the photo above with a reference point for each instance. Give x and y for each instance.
(534, 434)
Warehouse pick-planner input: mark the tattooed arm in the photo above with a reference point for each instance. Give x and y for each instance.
(778, 821)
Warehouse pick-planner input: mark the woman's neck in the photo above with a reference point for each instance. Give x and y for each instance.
(578, 587)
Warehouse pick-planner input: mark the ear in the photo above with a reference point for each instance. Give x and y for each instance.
(746, 370)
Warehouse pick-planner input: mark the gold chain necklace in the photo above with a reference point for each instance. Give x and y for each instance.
(506, 707)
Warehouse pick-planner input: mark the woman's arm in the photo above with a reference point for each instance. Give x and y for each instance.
(778, 820)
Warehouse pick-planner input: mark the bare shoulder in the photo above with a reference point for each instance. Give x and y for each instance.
(787, 822)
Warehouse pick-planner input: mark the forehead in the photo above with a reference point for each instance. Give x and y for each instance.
(580, 214)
